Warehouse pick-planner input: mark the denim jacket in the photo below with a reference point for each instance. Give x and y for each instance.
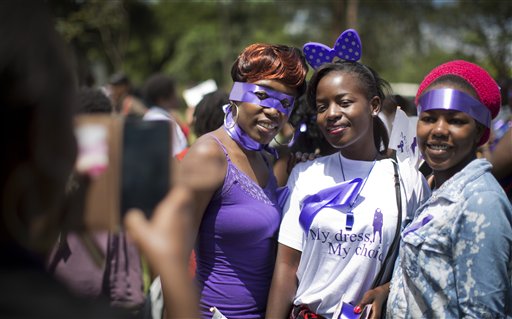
(455, 256)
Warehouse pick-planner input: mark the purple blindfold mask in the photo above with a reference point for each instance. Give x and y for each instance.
(450, 99)
(262, 96)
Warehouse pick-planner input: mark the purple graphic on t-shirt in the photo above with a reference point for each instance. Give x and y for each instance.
(377, 224)
(413, 145)
(401, 146)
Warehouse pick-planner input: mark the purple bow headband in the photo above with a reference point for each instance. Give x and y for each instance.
(262, 96)
(347, 47)
(450, 99)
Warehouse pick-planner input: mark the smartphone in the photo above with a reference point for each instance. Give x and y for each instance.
(346, 311)
(145, 164)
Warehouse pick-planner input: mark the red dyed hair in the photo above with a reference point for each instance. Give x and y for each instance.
(271, 62)
(485, 87)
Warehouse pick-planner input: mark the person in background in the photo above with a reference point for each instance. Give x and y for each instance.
(92, 101)
(344, 210)
(37, 134)
(224, 198)
(208, 115)
(124, 101)
(389, 106)
(501, 159)
(160, 93)
(37, 95)
(455, 257)
(97, 264)
(498, 150)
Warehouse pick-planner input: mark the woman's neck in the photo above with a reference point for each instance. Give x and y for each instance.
(441, 176)
(362, 155)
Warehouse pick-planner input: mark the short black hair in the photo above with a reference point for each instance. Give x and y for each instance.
(158, 86)
(119, 78)
(89, 100)
(208, 113)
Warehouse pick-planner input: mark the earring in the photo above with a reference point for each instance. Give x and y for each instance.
(231, 120)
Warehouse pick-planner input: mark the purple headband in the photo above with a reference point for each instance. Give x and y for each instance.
(248, 92)
(347, 47)
(450, 99)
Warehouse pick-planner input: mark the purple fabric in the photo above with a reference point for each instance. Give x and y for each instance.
(72, 264)
(340, 196)
(117, 273)
(125, 285)
(240, 137)
(282, 196)
(450, 99)
(245, 92)
(418, 224)
(236, 246)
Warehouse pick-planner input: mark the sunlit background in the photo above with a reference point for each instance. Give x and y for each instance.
(198, 40)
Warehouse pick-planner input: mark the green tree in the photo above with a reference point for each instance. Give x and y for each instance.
(482, 31)
(197, 40)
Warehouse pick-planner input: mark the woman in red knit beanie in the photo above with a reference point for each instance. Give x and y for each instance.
(455, 255)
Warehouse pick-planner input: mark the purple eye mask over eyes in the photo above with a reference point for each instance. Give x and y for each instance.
(246, 92)
(450, 99)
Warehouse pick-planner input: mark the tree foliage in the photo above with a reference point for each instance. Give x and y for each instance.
(197, 40)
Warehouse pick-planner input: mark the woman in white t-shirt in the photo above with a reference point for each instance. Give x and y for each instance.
(341, 216)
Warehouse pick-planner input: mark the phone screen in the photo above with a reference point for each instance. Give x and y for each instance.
(145, 164)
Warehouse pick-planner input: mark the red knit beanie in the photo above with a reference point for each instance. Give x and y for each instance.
(484, 85)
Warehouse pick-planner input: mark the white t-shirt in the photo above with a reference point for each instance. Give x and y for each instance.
(336, 261)
(179, 141)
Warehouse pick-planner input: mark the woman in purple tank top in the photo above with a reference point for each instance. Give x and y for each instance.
(224, 202)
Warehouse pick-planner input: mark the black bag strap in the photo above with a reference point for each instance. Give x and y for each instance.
(394, 245)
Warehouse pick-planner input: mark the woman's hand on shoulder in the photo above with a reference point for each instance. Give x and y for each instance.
(299, 157)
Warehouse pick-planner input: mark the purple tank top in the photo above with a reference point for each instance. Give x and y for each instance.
(237, 244)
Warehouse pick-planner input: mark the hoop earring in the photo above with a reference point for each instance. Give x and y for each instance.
(233, 120)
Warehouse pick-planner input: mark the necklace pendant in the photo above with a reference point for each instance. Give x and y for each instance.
(350, 220)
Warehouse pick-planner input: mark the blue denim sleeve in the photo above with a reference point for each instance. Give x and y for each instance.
(482, 243)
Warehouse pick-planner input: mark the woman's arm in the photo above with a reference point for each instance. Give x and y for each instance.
(482, 244)
(284, 283)
(501, 157)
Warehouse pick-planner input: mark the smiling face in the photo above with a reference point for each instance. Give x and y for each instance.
(447, 138)
(263, 123)
(344, 114)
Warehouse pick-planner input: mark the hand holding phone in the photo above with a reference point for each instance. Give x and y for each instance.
(345, 310)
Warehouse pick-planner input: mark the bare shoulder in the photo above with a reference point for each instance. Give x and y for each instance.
(204, 166)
